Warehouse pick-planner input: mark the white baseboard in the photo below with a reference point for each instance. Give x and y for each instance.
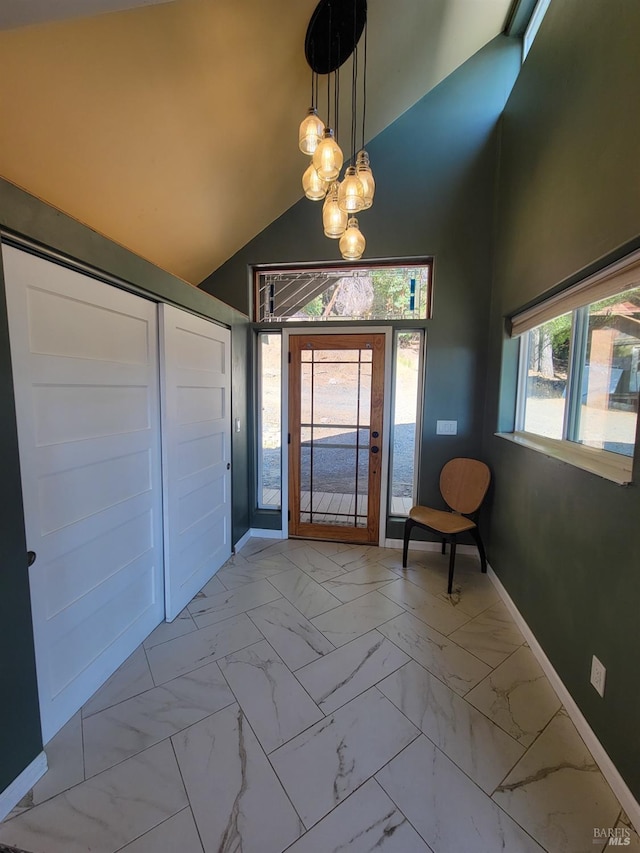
(12, 795)
(420, 545)
(606, 765)
(242, 541)
(259, 534)
(267, 534)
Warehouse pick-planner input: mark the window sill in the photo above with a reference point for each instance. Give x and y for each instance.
(611, 466)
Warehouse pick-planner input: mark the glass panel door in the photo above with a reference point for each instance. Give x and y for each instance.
(335, 420)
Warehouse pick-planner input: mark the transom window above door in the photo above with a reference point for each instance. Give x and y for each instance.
(357, 292)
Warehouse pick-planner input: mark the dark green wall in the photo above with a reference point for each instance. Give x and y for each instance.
(26, 216)
(435, 170)
(20, 739)
(565, 542)
(241, 442)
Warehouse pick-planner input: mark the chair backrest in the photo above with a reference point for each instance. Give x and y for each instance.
(464, 483)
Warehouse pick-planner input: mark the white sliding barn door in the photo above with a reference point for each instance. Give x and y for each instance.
(85, 365)
(196, 441)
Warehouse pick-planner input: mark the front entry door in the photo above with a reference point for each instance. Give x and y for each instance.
(336, 398)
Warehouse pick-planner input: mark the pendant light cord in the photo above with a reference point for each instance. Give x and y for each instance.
(314, 78)
(354, 83)
(336, 95)
(364, 85)
(328, 100)
(329, 76)
(354, 95)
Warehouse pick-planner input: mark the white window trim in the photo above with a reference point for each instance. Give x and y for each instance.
(419, 416)
(259, 450)
(616, 278)
(533, 26)
(604, 463)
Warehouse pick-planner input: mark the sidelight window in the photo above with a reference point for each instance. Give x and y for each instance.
(269, 404)
(408, 371)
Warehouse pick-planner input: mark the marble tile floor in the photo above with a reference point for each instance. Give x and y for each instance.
(315, 697)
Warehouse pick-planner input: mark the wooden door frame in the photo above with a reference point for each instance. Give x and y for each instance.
(313, 329)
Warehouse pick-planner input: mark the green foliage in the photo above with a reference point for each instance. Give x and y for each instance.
(406, 339)
(392, 291)
(314, 308)
(559, 330)
(391, 295)
(632, 296)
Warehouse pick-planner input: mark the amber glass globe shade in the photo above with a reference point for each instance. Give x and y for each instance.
(351, 193)
(352, 242)
(327, 157)
(334, 220)
(311, 131)
(363, 171)
(314, 187)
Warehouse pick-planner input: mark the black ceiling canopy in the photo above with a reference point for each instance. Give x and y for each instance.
(333, 32)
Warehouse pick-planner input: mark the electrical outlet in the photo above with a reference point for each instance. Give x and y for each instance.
(598, 674)
(446, 427)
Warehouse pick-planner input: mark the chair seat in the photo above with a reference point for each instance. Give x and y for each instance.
(439, 520)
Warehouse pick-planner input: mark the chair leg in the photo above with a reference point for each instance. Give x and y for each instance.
(483, 558)
(452, 560)
(444, 546)
(408, 526)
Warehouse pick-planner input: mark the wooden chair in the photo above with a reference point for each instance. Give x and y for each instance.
(463, 485)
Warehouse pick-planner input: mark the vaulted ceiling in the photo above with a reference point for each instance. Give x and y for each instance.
(171, 127)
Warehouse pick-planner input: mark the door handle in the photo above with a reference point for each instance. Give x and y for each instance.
(375, 449)
(31, 558)
(228, 466)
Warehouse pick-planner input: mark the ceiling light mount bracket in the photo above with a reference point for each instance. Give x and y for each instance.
(333, 32)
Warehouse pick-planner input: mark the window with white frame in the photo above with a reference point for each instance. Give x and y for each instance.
(579, 378)
(269, 431)
(406, 420)
(539, 11)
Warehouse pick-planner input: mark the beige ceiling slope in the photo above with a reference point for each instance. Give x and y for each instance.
(172, 128)
(23, 13)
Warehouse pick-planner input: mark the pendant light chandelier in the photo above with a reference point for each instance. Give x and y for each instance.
(332, 37)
